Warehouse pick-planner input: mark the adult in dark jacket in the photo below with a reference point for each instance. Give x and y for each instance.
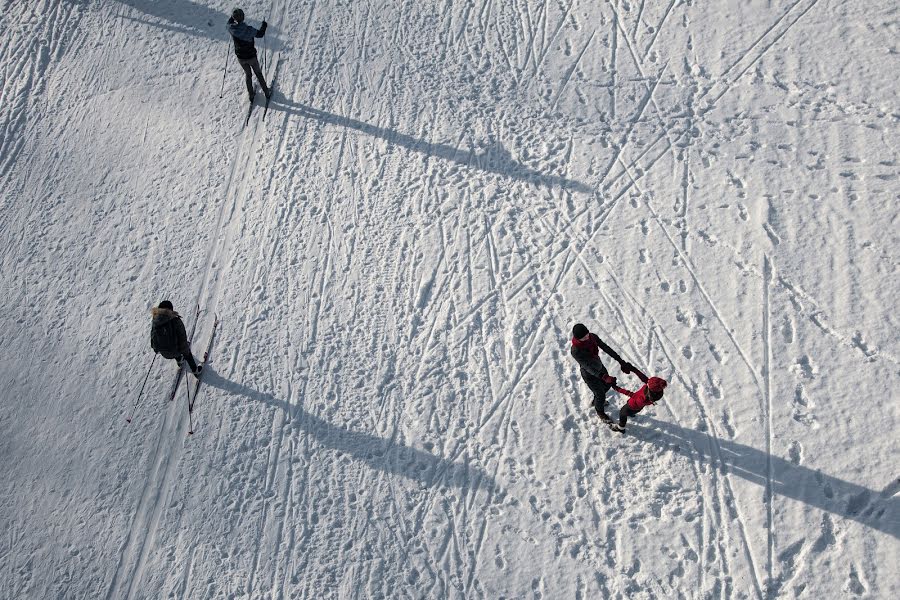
(168, 337)
(245, 49)
(586, 348)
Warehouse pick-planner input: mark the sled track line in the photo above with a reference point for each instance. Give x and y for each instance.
(729, 499)
(765, 49)
(711, 103)
(659, 27)
(545, 49)
(162, 474)
(717, 454)
(624, 141)
(712, 513)
(568, 76)
(767, 412)
(637, 21)
(531, 25)
(279, 418)
(666, 128)
(613, 62)
(690, 269)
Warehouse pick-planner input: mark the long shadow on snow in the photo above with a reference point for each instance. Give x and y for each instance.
(495, 159)
(879, 510)
(378, 453)
(191, 18)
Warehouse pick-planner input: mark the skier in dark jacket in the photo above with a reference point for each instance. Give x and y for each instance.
(168, 337)
(245, 49)
(586, 348)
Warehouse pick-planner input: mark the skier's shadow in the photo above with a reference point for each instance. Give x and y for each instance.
(381, 454)
(492, 159)
(878, 510)
(189, 18)
(176, 16)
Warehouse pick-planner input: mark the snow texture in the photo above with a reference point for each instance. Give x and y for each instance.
(398, 252)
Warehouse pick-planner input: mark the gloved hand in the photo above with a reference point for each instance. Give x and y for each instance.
(626, 367)
(608, 380)
(264, 25)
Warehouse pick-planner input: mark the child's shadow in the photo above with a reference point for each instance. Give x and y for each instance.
(878, 510)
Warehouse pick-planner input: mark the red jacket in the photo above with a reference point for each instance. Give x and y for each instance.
(641, 398)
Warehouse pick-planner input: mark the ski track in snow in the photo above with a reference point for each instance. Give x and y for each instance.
(398, 253)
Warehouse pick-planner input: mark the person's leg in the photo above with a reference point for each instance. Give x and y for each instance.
(259, 76)
(624, 413)
(192, 364)
(599, 405)
(599, 390)
(248, 78)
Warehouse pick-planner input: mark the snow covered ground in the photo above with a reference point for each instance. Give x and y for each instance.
(398, 252)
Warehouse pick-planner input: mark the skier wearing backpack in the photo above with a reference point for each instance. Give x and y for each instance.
(585, 349)
(245, 49)
(168, 337)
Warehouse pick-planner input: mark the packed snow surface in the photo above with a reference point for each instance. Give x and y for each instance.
(439, 191)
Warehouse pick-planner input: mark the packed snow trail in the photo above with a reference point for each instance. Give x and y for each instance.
(398, 252)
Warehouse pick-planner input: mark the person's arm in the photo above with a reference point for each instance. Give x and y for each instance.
(591, 365)
(262, 30)
(626, 367)
(183, 345)
(242, 31)
(609, 350)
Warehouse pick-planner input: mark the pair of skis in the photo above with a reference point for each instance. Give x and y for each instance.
(203, 369)
(268, 98)
(180, 367)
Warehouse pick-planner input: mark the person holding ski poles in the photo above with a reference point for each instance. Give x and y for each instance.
(168, 337)
(245, 49)
(585, 350)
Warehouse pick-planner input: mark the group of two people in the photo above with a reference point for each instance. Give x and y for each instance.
(585, 350)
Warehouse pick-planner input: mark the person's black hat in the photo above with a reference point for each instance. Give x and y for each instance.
(238, 15)
(166, 304)
(579, 331)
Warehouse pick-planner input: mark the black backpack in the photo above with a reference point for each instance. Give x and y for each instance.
(164, 339)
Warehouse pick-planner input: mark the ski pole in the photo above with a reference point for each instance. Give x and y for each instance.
(227, 56)
(142, 389)
(187, 391)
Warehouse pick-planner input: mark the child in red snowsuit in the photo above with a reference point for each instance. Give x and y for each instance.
(649, 394)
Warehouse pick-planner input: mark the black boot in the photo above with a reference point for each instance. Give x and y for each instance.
(600, 407)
